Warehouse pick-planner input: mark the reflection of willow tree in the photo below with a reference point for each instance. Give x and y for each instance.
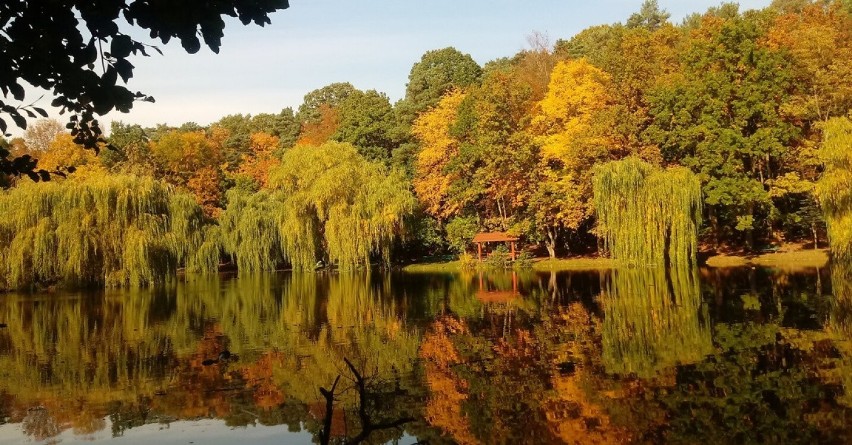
(653, 319)
(157, 351)
(840, 323)
(841, 314)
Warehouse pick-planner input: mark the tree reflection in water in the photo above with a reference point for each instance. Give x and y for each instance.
(639, 356)
(653, 320)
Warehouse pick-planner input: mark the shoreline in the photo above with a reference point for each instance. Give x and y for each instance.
(797, 259)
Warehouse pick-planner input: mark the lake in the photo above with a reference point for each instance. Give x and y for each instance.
(686, 356)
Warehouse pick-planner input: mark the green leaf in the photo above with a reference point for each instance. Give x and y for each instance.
(121, 46)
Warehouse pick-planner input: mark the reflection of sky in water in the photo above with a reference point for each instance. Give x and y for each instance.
(206, 432)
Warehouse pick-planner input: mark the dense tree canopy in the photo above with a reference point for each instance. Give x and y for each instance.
(437, 72)
(753, 105)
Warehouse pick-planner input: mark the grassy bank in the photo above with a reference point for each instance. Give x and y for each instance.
(801, 259)
(547, 264)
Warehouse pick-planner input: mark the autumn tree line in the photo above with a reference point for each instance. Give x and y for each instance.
(755, 103)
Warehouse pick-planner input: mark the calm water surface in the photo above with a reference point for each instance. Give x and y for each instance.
(630, 356)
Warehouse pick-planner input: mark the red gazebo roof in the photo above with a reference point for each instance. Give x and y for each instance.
(488, 237)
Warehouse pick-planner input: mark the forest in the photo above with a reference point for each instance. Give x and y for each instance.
(742, 118)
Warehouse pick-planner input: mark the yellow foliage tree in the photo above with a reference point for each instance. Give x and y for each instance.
(570, 128)
(439, 147)
(63, 153)
(819, 39)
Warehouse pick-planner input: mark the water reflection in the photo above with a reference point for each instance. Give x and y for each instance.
(634, 355)
(653, 319)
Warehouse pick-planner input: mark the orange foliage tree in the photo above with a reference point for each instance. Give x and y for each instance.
(192, 160)
(261, 158)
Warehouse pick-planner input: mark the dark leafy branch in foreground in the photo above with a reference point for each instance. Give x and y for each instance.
(77, 50)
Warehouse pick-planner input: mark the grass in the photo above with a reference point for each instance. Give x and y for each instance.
(447, 266)
(800, 259)
(538, 264)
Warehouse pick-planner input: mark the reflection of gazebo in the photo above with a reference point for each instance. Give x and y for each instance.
(486, 295)
(494, 237)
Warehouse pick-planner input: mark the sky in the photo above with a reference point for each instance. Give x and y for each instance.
(369, 43)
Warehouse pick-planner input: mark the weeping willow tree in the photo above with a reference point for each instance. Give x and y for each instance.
(111, 230)
(647, 215)
(834, 189)
(249, 232)
(653, 319)
(324, 202)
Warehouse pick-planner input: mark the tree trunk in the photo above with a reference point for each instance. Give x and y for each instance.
(714, 223)
(550, 243)
(750, 230)
(816, 237)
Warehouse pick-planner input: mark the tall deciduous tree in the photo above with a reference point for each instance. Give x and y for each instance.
(573, 138)
(432, 181)
(366, 120)
(192, 160)
(437, 72)
(650, 16)
(819, 39)
(41, 133)
(331, 96)
(497, 156)
(722, 118)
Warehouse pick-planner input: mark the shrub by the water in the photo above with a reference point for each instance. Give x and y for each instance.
(499, 258)
(524, 260)
(109, 230)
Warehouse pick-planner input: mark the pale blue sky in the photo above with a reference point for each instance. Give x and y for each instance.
(370, 43)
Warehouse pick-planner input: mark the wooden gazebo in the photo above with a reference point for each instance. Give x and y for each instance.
(494, 237)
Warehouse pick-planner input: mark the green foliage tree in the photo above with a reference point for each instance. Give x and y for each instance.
(650, 16)
(239, 129)
(496, 161)
(131, 152)
(331, 95)
(647, 215)
(367, 121)
(437, 72)
(115, 230)
(460, 232)
(721, 117)
(834, 188)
